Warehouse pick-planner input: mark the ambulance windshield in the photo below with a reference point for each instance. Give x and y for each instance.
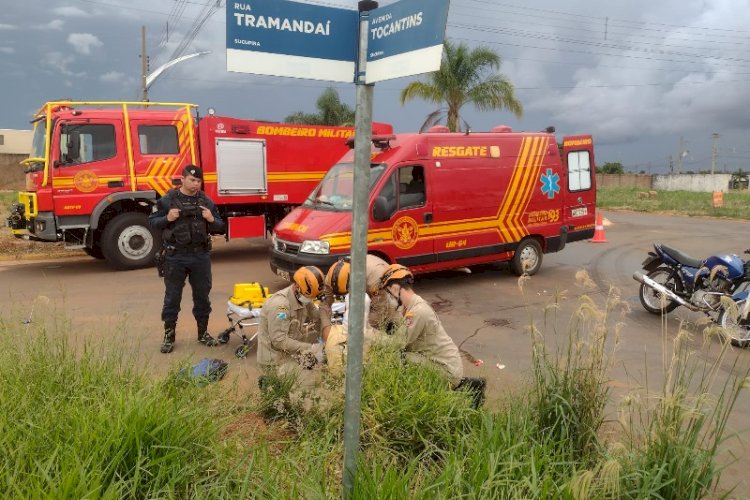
(335, 190)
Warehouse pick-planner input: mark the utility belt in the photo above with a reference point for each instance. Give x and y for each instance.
(173, 250)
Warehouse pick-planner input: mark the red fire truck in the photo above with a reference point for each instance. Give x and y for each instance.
(441, 200)
(97, 168)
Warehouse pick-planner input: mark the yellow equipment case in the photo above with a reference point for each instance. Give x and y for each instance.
(250, 295)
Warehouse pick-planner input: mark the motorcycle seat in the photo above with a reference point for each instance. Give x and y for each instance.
(682, 258)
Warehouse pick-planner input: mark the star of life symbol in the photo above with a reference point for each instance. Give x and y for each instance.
(550, 183)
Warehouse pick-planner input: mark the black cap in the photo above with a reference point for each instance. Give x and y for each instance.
(194, 171)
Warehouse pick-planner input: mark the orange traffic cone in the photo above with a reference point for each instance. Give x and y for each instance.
(599, 230)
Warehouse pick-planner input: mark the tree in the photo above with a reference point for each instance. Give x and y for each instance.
(463, 78)
(611, 167)
(331, 111)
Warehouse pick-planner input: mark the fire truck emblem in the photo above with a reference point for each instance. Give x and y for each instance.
(550, 183)
(86, 181)
(404, 232)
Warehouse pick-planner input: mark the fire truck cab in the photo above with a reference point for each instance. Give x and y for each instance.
(441, 200)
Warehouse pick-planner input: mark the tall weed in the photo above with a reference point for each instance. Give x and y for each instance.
(675, 434)
(87, 424)
(571, 387)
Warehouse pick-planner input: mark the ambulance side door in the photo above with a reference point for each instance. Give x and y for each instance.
(401, 217)
(579, 188)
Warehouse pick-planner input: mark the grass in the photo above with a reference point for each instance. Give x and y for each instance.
(87, 425)
(88, 422)
(736, 203)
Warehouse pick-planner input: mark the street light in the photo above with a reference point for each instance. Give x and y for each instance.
(149, 79)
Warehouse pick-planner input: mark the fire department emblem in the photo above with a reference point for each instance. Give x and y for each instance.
(405, 232)
(86, 181)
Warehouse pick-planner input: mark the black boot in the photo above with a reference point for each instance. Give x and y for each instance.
(169, 336)
(475, 387)
(203, 336)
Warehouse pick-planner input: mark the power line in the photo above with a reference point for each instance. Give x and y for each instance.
(579, 27)
(567, 51)
(174, 17)
(544, 36)
(635, 24)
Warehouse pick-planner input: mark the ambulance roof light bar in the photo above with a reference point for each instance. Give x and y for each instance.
(380, 141)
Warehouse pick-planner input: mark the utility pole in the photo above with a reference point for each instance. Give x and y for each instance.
(144, 66)
(714, 151)
(606, 26)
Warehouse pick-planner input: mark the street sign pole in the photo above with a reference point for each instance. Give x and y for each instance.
(295, 39)
(354, 348)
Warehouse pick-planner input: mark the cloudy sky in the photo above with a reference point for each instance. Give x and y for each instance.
(643, 77)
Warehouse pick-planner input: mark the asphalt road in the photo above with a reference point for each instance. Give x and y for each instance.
(485, 310)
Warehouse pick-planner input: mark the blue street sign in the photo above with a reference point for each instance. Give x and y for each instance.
(285, 38)
(406, 38)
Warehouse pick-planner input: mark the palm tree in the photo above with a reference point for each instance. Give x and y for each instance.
(460, 80)
(331, 111)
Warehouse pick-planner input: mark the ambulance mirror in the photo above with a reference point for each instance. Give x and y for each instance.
(380, 209)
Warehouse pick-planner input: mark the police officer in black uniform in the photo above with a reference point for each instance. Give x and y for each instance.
(187, 218)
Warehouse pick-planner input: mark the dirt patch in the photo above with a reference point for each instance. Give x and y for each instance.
(251, 430)
(12, 248)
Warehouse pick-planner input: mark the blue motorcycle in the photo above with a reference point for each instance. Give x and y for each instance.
(674, 279)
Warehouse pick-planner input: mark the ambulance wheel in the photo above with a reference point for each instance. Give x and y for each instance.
(128, 242)
(528, 258)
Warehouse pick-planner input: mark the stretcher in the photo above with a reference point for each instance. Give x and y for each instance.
(244, 309)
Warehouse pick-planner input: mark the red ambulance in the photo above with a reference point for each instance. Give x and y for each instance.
(440, 200)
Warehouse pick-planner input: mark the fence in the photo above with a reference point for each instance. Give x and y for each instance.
(640, 181)
(699, 183)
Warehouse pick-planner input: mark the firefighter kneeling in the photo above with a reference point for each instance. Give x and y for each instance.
(290, 324)
(425, 339)
(421, 333)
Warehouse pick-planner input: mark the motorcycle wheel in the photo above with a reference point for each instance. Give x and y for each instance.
(738, 330)
(651, 300)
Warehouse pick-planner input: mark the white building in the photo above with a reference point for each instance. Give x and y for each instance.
(15, 141)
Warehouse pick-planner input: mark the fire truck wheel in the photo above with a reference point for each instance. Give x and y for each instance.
(528, 258)
(95, 252)
(128, 243)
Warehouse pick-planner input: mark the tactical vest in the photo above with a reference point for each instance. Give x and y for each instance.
(190, 231)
